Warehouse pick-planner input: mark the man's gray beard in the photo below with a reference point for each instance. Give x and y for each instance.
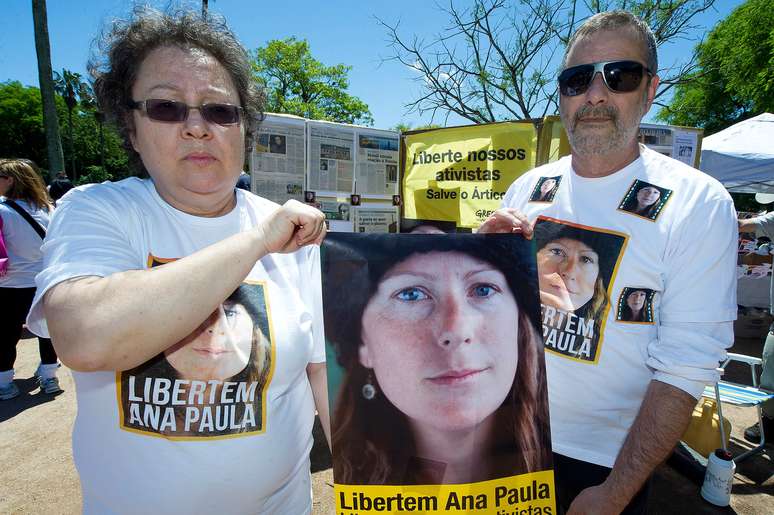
(595, 144)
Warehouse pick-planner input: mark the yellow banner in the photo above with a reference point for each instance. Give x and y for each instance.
(527, 494)
(461, 174)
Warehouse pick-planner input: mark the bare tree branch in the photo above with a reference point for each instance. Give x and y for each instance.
(498, 59)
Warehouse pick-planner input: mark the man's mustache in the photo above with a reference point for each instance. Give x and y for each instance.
(603, 111)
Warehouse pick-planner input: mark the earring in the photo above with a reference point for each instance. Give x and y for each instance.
(369, 390)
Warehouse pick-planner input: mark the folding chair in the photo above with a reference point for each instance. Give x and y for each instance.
(740, 395)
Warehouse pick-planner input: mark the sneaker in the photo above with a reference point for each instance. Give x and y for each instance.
(9, 391)
(753, 433)
(50, 385)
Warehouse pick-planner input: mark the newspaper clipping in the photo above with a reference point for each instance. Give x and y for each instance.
(278, 159)
(331, 159)
(377, 164)
(376, 218)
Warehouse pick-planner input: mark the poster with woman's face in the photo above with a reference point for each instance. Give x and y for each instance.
(213, 382)
(645, 200)
(576, 268)
(436, 372)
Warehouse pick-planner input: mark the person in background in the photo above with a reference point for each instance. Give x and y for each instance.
(134, 267)
(641, 385)
(764, 225)
(244, 181)
(22, 188)
(59, 186)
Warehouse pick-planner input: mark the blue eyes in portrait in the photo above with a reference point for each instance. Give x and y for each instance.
(411, 294)
(484, 290)
(414, 294)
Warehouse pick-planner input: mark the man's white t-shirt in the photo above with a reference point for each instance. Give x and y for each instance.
(151, 440)
(657, 299)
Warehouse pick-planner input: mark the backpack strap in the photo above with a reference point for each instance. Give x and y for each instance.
(24, 214)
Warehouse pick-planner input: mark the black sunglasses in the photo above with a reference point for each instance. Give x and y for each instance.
(618, 76)
(172, 111)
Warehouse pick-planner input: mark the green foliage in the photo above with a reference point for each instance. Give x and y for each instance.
(405, 127)
(736, 72)
(297, 83)
(94, 174)
(22, 133)
(21, 123)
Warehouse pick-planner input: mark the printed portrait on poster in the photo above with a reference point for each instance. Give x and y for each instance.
(213, 382)
(576, 268)
(545, 189)
(635, 305)
(436, 371)
(645, 200)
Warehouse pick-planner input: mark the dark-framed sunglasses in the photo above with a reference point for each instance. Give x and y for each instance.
(172, 111)
(618, 76)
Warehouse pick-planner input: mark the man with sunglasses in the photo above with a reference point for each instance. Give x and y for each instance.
(619, 406)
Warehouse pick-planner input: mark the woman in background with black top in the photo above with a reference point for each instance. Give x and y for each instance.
(22, 188)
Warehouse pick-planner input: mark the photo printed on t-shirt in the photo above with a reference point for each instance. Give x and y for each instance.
(645, 200)
(213, 382)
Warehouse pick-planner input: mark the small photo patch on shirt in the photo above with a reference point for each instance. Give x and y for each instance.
(545, 189)
(645, 200)
(635, 306)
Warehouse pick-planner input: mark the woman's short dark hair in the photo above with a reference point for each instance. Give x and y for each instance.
(121, 49)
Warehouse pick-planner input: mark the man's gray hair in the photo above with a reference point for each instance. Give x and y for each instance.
(613, 20)
(121, 50)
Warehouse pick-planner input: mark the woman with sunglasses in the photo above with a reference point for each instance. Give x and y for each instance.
(135, 267)
(21, 188)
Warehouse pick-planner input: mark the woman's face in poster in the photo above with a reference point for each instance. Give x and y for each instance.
(547, 186)
(440, 334)
(647, 196)
(567, 273)
(218, 349)
(636, 300)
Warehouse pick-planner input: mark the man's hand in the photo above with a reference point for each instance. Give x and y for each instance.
(595, 500)
(507, 220)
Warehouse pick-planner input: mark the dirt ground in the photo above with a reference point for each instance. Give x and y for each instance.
(38, 476)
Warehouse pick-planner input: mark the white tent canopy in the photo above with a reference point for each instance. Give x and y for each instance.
(742, 156)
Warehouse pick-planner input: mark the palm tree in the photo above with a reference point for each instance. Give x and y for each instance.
(50, 119)
(70, 86)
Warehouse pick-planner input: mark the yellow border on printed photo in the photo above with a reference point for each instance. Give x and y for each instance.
(613, 275)
(264, 391)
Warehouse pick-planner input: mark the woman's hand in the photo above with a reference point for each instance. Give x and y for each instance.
(507, 220)
(291, 227)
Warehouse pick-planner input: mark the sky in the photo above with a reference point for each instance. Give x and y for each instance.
(340, 31)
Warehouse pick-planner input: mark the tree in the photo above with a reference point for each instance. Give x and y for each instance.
(498, 59)
(50, 120)
(21, 123)
(297, 83)
(22, 133)
(735, 76)
(73, 90)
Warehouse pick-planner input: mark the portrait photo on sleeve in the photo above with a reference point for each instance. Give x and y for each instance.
(635, 305)
(545, 189)
(435, 362)
(645, 200)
